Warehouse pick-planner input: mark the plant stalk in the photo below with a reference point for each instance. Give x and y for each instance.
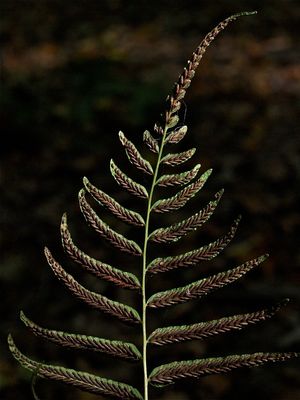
(144, 296)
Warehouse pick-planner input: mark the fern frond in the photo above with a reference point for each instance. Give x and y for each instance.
(169, 131)
(181, 198)
(184, 81)
(135, 156)
(176, 231)
(127, 183)
(79, 379)
(126, 280)
(174, 159)
(168, 373)
(193, 257)
(121, 311)
(201, 330)
(178, 179)
(150, 142)
(115, 348)
(126, 215)
(202, 287)
(177, 135)
(118, 240)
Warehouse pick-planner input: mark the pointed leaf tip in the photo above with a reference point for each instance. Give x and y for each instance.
(134, 156)
(280, 305)
(243, 13)
(262, 258)
(22, 315)
(81, 192)
(238, 219)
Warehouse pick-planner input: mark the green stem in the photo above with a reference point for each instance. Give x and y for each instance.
(144, 314)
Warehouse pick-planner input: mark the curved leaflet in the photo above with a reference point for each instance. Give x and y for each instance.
(202, 287)
(126, 215)
(178, 179)
(169, 373)
(176, 231)
(177, 135)
(202, 330)
(114, 308)
(193, 257)
(178, 158)
(115, 348)
(134, 155)
(127, 183)
(182, 197)
(82, 380)
(102, 270)
(118, 240)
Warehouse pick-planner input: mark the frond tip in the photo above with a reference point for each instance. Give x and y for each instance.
(169, 373)
(184, 81)
(79, 379)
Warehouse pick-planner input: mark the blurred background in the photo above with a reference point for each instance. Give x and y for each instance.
(76, 72)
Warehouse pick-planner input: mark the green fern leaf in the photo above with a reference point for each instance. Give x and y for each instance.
(151, 142)
(115, 348)
(114, 308)
(182, 197)
(176, 231)
(82, 380)
(168, 373)
(193, 257)
(202, 330)
(178, 179)
(102, 270)
(126, 215)
(118, 240)
(178, 158)
(134, 155)
(127, 183)
(203, 286)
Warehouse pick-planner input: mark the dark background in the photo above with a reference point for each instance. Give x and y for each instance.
(76, 72)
